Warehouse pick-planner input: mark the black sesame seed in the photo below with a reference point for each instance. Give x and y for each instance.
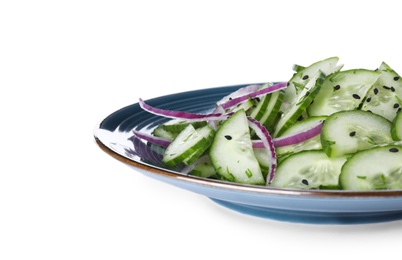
(230, 98)
(288, 84)
(305, 77)
(375, 91)
(396, 78)
(228, 137)
(396, 105)
(368, 99)
(392, 89)
(257, 99)
(305, 182)
(386, 87)
(394, 150)
(399, 109)
(337, 87)
(300, 118)
(352, 133)
(355, 96)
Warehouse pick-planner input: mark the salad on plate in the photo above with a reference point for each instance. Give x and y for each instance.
(324, 128)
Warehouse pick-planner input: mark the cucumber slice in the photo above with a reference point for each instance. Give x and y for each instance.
(347, 132)
(303, 75)
(377, 168)
(232, 153)
(178, 125)
(208, 134)
(301, 126)
(159, 131)
(188, 145)
(385, 96)
(203, 167)
(300, 104)
(308, 170)
(342, 90)
(396, 129)
(274, 101)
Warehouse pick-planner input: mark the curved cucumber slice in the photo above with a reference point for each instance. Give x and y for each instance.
(188, 145)
(300, 104)
(303, 75)
(396, 129)
(385, 97)
(343, 90)
(178, 125)
(267, 108)
(308, 170)
(347, 132)
(377, 168)
(232, 153)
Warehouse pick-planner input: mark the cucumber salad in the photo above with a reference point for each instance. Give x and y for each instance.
(324, 128)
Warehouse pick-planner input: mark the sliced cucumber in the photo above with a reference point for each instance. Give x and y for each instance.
(308, 170)
(274, 104)
(208, 134)
(377, 168)
(160, 131)
(188, 145)
(303, 75)
(385, 97)
(396, 129)
(203, 167)
(178, 125)
(347, 132)
(232, 153)
(301, 126)
(342, 90)
(300, 104)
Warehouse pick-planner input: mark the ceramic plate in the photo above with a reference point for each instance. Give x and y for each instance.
(114, 136)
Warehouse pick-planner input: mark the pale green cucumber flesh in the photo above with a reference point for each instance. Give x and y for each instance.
(232, 153)
(347, 132)
(344, 90)
(308, 170)
(300, 104)
(186, 146)
(378, 168)
(384, 97)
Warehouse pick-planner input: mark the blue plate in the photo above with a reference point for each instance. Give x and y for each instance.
(114, 136)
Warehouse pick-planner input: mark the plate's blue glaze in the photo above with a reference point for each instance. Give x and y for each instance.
(114, 136)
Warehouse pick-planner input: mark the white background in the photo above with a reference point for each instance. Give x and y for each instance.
(64, 65)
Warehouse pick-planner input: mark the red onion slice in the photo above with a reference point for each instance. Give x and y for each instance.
(268, 144)
(240, 92)
(152, 139)
(236, 101)
(299, 137)
(181, 114)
